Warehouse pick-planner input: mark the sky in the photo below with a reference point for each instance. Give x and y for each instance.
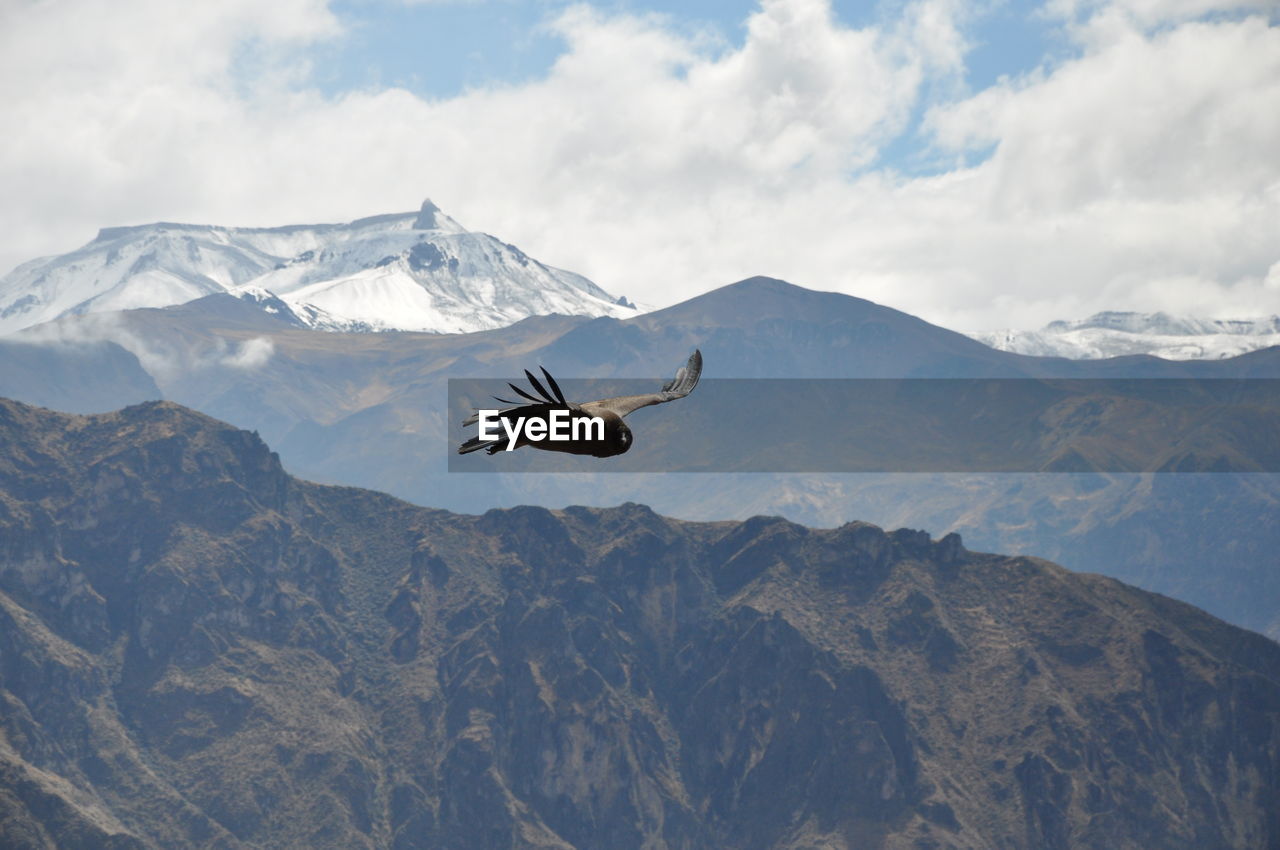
(982, 165)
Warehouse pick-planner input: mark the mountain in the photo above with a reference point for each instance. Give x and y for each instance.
(78, 377)
(1117, 334)
(198, 650)
(412, 271)
(371, 410)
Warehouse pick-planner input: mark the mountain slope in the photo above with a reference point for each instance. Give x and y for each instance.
(1117, 334)
(78, 377)
(413, 271)
(369, 410)
(200, 651)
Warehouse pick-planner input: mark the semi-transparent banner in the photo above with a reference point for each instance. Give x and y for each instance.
(907, 425)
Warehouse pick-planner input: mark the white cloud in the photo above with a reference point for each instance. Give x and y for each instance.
(250, 354)
(1100, 16)
(165, 359)
(1145, 163)
(1139, 174)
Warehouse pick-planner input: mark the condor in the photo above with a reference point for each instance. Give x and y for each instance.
(584, 438)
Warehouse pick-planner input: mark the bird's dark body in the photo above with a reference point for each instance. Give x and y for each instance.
(617, 436)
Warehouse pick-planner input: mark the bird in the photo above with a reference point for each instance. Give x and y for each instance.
(615, 436)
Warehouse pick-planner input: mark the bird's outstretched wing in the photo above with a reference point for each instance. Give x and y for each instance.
(678, 387)
(555, 398)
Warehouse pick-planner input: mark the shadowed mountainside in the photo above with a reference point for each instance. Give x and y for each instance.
(198, 650)
(78, 377)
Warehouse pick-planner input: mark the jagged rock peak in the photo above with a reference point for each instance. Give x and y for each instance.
(426, 219)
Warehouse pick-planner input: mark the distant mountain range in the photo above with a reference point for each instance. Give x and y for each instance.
(1116, 334)
(411, 271)
(370, 410)
(423, 271)
(198, 650)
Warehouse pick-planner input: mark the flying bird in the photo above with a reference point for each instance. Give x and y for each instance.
(614, 438)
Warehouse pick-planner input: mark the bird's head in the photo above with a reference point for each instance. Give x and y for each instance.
(617, 439)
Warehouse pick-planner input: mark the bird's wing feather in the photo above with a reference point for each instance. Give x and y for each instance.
(555, 397)
(541, 409)
(678, 387)
(526, 395)
(555, 388)
(546, 396)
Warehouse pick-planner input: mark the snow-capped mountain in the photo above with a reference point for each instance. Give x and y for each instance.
(419, 271)
(1114, 334)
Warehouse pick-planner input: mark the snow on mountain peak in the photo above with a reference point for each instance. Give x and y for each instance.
(1116, 334)
(252, 293)
(420, 271)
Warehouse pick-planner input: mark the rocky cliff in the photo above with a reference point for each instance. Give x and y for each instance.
(197, 650)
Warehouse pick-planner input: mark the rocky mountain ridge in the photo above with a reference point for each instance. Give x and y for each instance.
(201, 651)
